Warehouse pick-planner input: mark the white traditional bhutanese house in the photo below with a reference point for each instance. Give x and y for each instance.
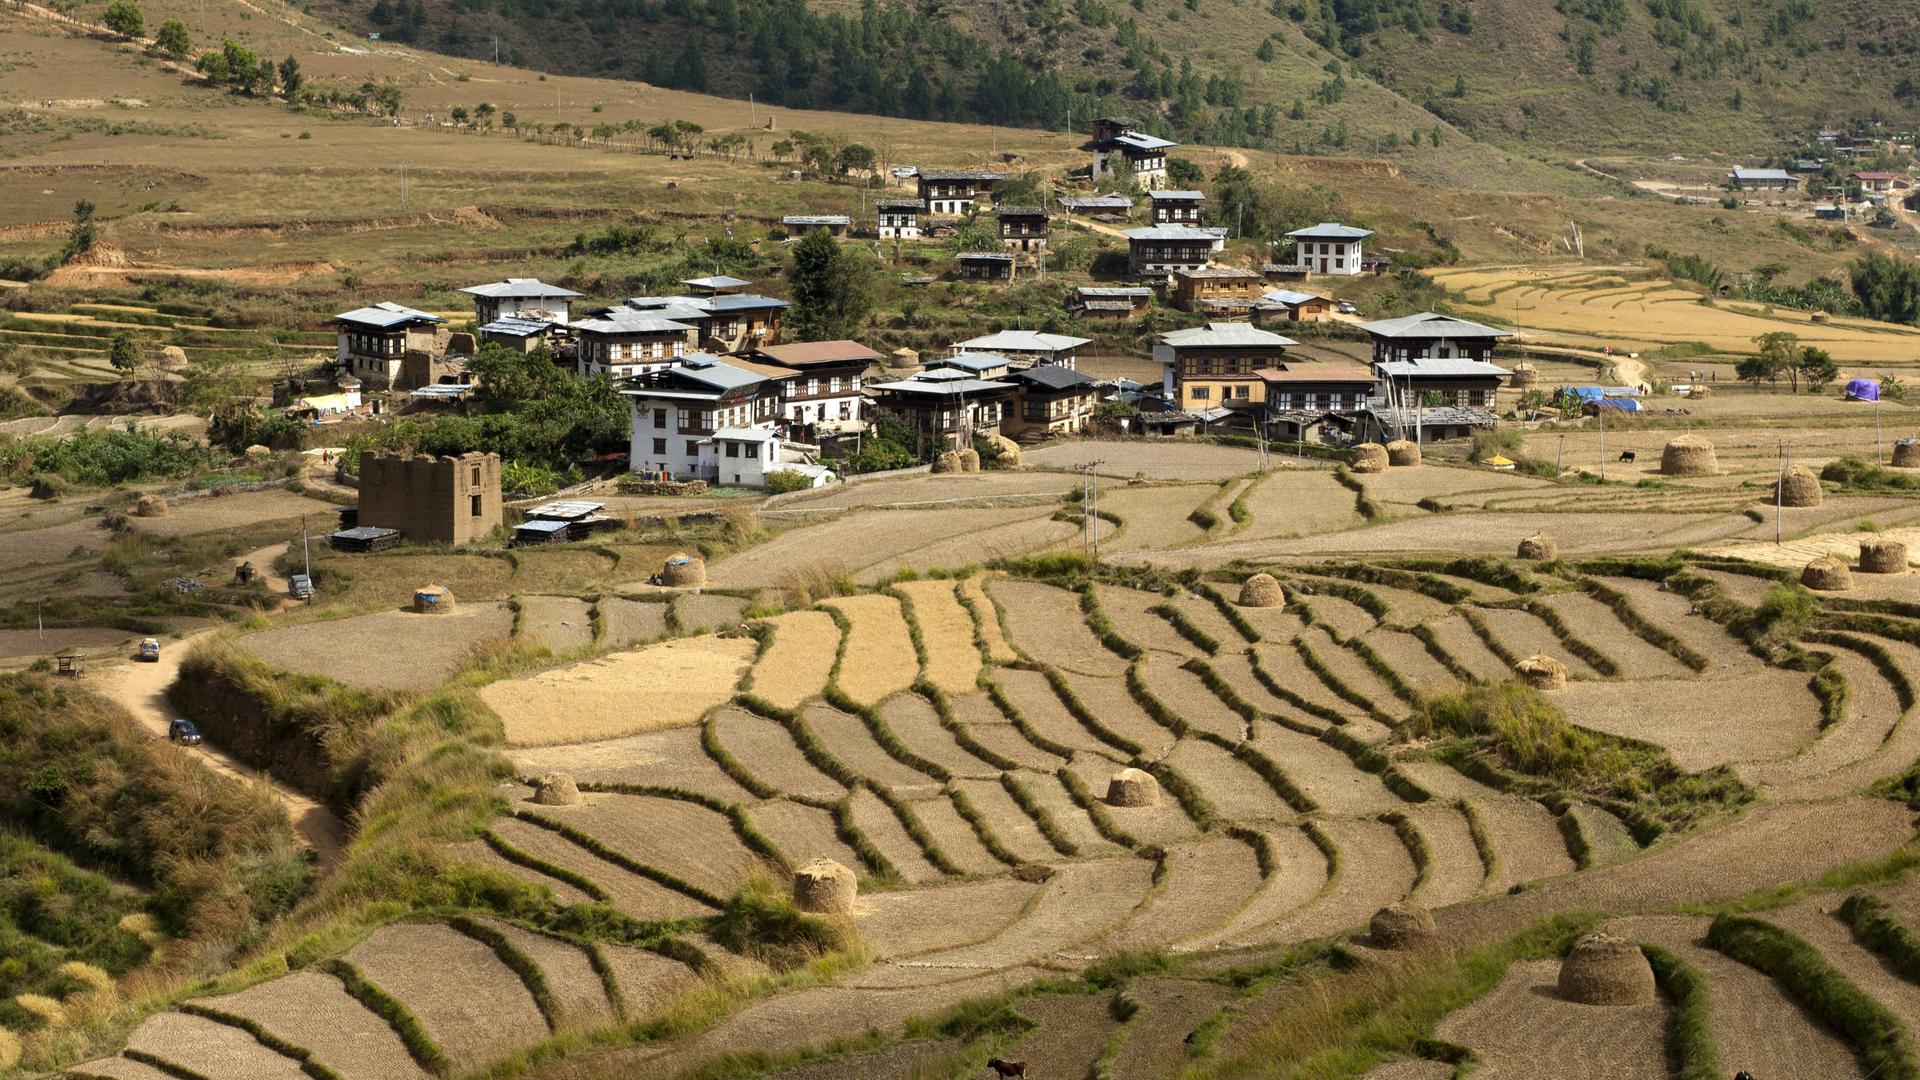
(899, 218)
(677, 413)
(626, 342)
(1144, 156)
(1025, 348)
(374, 340)
(1330, 248)
(1430, 353)
(522, 298)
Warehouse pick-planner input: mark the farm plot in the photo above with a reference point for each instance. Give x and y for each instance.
(436, 645)
(987, 618)
(877, 822)
(1454, 871)
(1229, 786)
(1526, 841)
(1284, 665)
(699, 613)
(1128, 611)
(1018, 834)
(1457, 639)
(1157, 1041)
(902, 923)
(1201, 612)
(848, 739)
(1374, 871)
(669, 758)
(1046, 716)
(1327, 776)
(1345, 667)
(685, 839)
(314, 1012)
(796, 663)
(206, 1048)
(1154, 461)
(680, 680)
(1155, 517)
(578, 992)
(648, 982)
(558, 623)
(1524, 634)
(1678, 616)
(922, 489)
(1754, 716)
(1523, 1029)
(802, 833)
(387, 580)
(1113, 705)
(1046, 623)
(878, 659)
(953, 837)
(1203, 884)
(914, 722)
(1408, 656)
(767, 750)
(1821, 928)
(870, 545)
(946, 632)
(561, 569)
(629, 893)
(1162, 823)
(1187, 697)
(1873, 739)
(627, 622)
(230, 513)
(1298, 875)
(473, 1006)
(1069, 1034)
(1597, 625)
(479, 853)
(1050, 795)
(1234, 666)
(1608, 838)
(1451, 486)
(1343, 616)
(1296, 502)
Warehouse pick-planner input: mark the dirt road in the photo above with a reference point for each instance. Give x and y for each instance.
(141, 689)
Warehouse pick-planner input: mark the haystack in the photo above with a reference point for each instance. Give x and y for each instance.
(684, 572)
(1133, 787)
(1799, 487)
(1827, 574)
(1540, 547)
(1524, 375)
(1700, 391)
(1403, 452)
(903, 357)
(1262, 590)
(1405, 925)
(173, 356)
(1368, 457)
(1009, 451)
(150, 506)
(1689, 455)
(1606, 969)
(258, 451)
(432, 600)
(947, 462)
(1883, 557)
(824, 887)
(556, 789)
(1906, 454)
(1542, 672)
(969, 460)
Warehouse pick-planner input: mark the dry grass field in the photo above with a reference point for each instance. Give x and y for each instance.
(593, 699)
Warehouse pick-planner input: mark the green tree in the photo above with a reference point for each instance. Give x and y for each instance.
(458, 114)
(483, 112)
(1817, 367)
(1888, 287)
(857, 158)
(125, 19)
(172, 39)
(290, 78)
(832, 289)
(1775, 356)
(1182, 173)
(124, 353)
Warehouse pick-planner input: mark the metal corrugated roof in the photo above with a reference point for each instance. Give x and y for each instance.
(1184, 196)
(716, 281)
(1331, 230)
(1053, 377)
(816, 219)
(973, 361)
(1289, 297)
(1172, 232)
(512, 327)
(519, 288)
(991, 256)
(1442, 367)
(386, 314)
(1022, 341)
(637, 323)
(1140, 141)
(745, 434)
(1430, 324)
(566, 509)
(941, 388)
(1225, 334)
(743, 302)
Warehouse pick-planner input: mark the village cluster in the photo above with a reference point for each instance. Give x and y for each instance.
(717, 395)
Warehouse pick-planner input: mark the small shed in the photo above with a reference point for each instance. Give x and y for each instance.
(70, 663)
(363, 538)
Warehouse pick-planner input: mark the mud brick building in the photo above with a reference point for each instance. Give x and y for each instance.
(431, 500)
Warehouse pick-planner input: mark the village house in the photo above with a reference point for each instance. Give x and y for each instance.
(1050, 400)
(898, 219)
(1027, 348)
(1120, 152)
(1318, 386)
(985, 265)
(1878, 183)
(1022, 228)
(1433, 358)
(725, 320)
(627, 343)
(980, 365)
(1217, 365)
(1216, 289)
(945, 409)
(1112, 301)
(819, 385)
(1330, 248)
(715, 285)
(1159, 250)
(1177, 207)
(836, 225)
(1431, 336)
(428, 499)
(675, 412)
(521, 298)
(1112, 205)
(1762, 180)
(1422, 424)
(1297, 306)
(1288, 271)
(373, 341)
(520, 335)
(951, 193)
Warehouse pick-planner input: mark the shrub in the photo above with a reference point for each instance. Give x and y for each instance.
(761, 921)
(782, 481)
(1857, 474)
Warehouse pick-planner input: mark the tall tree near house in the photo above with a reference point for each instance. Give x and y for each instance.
(832, 289)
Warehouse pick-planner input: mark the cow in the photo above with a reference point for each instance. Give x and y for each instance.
(1627, 456)
(1007, 1068)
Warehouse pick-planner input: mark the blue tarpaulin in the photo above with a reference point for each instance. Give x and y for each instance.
(1863, 390)
(1617, 404)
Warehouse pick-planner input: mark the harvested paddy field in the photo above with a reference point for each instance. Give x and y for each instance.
(436, 645)
(926, 489)
(1156, 516)
(699, 613)
(231, 513)
(1152, 461)
(987, 617)
(797, 661)
(594, 699)
(1045, 622)
(1754, 716)
(946, 634)
(627, 622)
(1523, 1030)
(871, 545)
(878, 659)
(559, 623)
(777, 761)
(1295, 502)
(668, 758)
(473, 1006)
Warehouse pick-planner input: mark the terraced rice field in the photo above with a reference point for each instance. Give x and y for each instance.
(878, 658)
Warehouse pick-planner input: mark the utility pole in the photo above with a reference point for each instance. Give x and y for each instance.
(1779, 495)
(403, 184)
(306, 553)
(1560, 456)
(1601, 415)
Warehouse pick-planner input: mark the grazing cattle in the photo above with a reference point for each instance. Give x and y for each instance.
(1007, 1068)
(1626, 456)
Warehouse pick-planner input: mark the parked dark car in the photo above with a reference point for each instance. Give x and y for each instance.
(300, 586)
(183, 731)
